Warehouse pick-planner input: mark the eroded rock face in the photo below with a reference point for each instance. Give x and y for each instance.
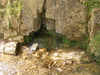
(67, 16)
(28, 21)
(31, 15)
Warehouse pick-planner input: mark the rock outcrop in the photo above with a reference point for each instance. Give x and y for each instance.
(29, 19)
(31, 15)
(67, 16)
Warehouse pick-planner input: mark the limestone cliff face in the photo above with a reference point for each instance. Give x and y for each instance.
(69, 17)
(31, 15)
(28, 21)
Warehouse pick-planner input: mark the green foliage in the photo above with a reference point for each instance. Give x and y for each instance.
(16, 8)
(97, 59)
(27, 39)
(91, 4)
(12, 8)
(96, 43)
(65, 40)
(83, 44)
(51, 33)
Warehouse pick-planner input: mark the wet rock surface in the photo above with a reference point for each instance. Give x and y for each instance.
(40, 63)
(29, 18)
(50, 40)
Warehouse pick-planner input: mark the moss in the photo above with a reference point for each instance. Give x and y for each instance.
(27, 39)
(83, 44)
(96, 43)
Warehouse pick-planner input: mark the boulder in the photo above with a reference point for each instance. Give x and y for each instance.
(8, 47)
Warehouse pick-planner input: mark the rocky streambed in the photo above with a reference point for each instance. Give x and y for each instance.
(43, 62)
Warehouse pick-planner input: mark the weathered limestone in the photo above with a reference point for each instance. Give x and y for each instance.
(8, 47)
(28, 21)
(31, 15)
(67, 16)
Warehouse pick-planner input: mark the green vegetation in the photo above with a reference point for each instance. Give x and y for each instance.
(83, 44)
(27, 39)
(93, 48)
(12, 9)
(97, 46)
(91, 4)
